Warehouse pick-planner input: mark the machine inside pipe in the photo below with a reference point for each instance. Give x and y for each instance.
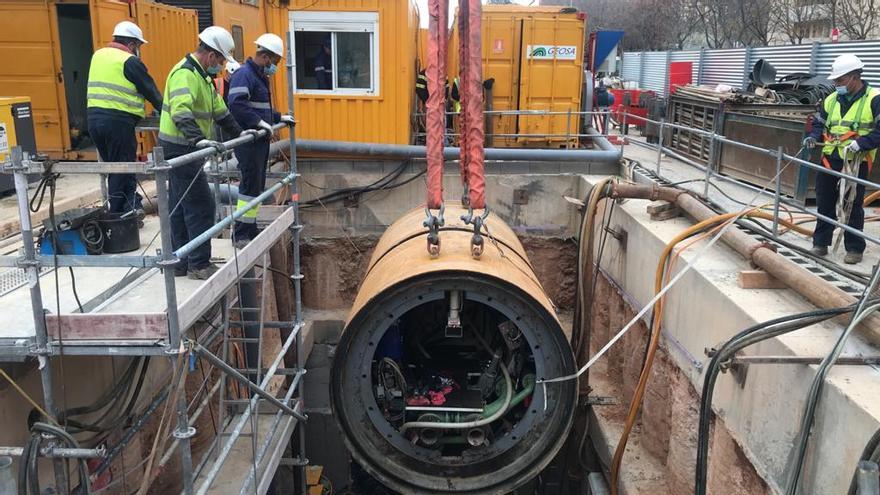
(434, 380)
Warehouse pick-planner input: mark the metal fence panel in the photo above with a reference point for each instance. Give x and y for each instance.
(632, 62)
(724, 67)
(868, 51)
(692, 56)
(786, 59)
(654, 74)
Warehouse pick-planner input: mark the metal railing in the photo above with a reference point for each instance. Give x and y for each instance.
(780, 156)
(165, 260)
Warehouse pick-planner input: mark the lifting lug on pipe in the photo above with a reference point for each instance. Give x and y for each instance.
(477, 239)
(433, 224)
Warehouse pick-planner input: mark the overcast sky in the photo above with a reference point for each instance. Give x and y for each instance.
(423, 9)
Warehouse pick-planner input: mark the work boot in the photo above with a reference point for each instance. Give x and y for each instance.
(819, 250)
(141, 215)
(202, 273)
(180, 269)
(240, 243)
(852, 258)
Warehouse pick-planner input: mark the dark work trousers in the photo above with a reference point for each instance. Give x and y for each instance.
(116, 142)
(826, 203)
(252, 158)
(195, 213)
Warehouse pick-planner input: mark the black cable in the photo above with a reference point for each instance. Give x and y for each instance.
(765, 330)
(73, 286)
(871, 453)
(863, 309)
(105, 399)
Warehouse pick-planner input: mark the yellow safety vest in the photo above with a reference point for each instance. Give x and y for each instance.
(108, 87)
(190, 92)
(842, 129)
(456, 101)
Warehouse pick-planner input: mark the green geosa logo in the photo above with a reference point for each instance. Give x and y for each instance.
(539, 52)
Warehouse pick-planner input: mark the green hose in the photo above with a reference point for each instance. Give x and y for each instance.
(528, 388)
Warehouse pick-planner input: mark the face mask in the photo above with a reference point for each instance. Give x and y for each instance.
(270, 69)
(214, 69)
(841, 90)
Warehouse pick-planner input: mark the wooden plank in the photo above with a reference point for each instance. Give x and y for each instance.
(108, 326)
(663, 210)
(759, 279)
(207, 295)
(266, 213)
(660, 206)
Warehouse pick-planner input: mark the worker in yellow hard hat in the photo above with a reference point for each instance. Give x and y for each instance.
(118, 87)
(848, 128)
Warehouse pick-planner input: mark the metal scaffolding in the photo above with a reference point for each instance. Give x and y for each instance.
(168, 333)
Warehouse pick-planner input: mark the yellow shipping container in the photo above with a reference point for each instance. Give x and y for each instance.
(46, 47)
(535, 55)
(373, 53)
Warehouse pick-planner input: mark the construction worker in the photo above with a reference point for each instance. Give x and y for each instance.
(848, 126)
(192, 106)
(324, 65)
(118, 85)
(221, 82)
(250, 101)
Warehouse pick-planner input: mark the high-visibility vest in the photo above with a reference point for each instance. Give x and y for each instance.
(455, 95)
(842, 129)
(108, 86)
(190, 92)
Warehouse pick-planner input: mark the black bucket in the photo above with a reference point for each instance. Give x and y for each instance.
(121, 235)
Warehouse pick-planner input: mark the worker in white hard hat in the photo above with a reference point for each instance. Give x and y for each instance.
(118, 87)
(250, 101)
(192, 107)
(848, 128)
(221, 81)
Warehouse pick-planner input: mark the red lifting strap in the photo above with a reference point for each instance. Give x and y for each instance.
(471, 89)
(435, 121)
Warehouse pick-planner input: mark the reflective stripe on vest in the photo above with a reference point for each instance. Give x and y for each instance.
(189, 94)
(858, 121)
(108, 87)
(249, 216)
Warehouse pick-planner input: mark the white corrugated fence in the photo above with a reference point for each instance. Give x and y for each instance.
(732, 66)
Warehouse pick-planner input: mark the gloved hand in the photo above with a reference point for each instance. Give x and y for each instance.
(288, 119)
(853, 147)
(208, 143)
(810, 142)
(248, 132)
(265, 125)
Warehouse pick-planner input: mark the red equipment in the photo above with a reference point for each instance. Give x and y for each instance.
(633, 102)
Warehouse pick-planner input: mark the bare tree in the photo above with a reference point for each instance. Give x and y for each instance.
(720, 22)
(757, 21)
(793, 17)
(857, 19)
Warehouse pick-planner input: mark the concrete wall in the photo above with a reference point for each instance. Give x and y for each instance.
(762, 416)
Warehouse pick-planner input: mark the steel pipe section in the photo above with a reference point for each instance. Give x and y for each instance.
(605, 152)
(456, 340)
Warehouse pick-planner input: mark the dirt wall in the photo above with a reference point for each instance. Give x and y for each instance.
(661, 454)
(334, 267)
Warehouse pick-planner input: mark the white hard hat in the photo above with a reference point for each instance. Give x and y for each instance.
(128, 29)
(271, 42)
(232, 66)
(845, 64)
(219, 39)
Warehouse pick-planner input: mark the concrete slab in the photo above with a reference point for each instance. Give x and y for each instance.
(763, 415)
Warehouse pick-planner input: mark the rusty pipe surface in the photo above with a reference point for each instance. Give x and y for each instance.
(813, 288)
(398, 331)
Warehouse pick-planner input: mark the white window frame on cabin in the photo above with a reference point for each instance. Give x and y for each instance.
(338, 22)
